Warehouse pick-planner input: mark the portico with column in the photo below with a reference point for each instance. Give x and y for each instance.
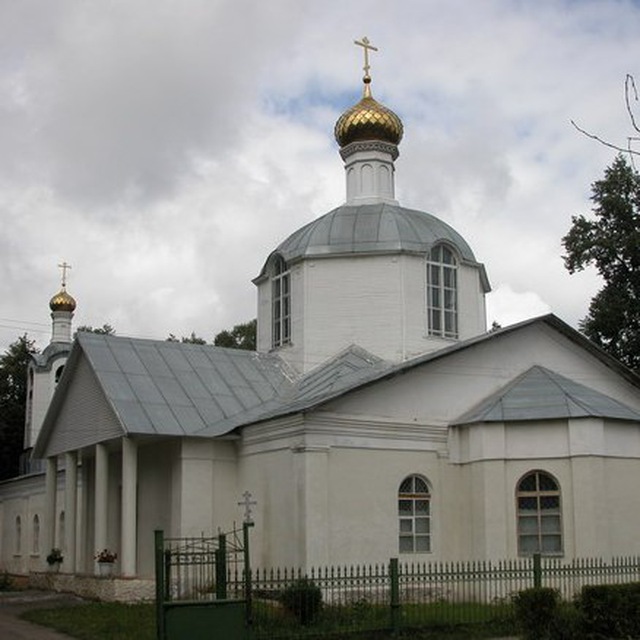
(92, 506)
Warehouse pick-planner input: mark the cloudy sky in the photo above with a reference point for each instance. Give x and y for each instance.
(163, 148)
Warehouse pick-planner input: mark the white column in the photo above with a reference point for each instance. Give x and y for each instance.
(51, 478)
(100, 500)
(70, 510)
(129, 533)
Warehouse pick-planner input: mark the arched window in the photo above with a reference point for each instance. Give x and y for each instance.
(539, 515)
(281, 303)
(18, 535)
(414, 513)
(35, 541)
(442, 292)
(61, 532)
(59, 371)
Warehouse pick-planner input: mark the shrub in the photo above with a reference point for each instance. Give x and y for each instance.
(303, 598)
(6, 583)
(536, 610)
(55, 556)
(567, 623)
(612, 610)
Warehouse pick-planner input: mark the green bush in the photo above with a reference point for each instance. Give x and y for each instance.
(536, 611)
(303, 598)
(612, 611)
(6, 583)
(567, 623)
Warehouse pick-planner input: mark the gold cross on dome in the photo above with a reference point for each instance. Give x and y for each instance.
(366, 45)
(65, 267)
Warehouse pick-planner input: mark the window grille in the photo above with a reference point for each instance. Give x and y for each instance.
(442, 292)
(414, 513)
(281, 304)
(539, 515)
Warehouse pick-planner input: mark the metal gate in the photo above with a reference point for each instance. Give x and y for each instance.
(203, 586)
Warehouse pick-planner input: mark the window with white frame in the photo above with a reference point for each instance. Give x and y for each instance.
(280, 303)
(442, 292)
(539, 514)
(414, 514)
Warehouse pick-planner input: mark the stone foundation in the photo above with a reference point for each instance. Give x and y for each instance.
(112, 589)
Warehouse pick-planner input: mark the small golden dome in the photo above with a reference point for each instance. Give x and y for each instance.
(62, 301)
(368, 120)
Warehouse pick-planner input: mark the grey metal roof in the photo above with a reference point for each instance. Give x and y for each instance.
(344, 372)
(372, 228)
(51, 352)
(541, 394)
(169, 388)
(165, 388)
(178, 389)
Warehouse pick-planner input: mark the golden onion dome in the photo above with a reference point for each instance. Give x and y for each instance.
(62, 301)
(368, 120)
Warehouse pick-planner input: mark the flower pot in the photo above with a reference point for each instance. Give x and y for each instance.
(105, 569)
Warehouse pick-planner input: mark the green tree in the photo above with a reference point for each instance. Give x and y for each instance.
(242, 336)
(610, 241)
(192, 339)
(13, 397)
(104, 330)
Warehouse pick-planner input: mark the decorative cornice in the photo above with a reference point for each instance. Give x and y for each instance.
(320, 433)
(370, 145)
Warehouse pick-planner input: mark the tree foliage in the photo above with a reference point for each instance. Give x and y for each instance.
(104, 330)
(13, 397)
(610, 241)
(192, 339)
(242, 336)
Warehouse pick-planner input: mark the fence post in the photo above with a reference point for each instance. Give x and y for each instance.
(394, 577)
(158, 535)
(247, 571)
(537, 570)
(221, 567)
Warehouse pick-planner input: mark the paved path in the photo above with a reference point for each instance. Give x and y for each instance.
(12, 604)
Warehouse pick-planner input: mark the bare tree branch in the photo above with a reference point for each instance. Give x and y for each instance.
(605, 143)
(630, 95)
(630, 83)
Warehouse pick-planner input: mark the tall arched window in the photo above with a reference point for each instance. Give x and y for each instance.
(281, 303)
(539, 514)
(59, 371)
(62, 532)
(442, 292)
(18, 535)
(35, 540)
(414, 513)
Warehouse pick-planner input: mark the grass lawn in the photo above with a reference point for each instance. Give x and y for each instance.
(99, 620)
(116, 621)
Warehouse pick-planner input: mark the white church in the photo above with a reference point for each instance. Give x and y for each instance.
(378, 417)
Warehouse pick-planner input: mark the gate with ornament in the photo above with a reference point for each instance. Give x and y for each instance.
(203, 586)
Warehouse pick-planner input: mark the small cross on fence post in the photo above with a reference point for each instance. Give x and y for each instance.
(247, 503)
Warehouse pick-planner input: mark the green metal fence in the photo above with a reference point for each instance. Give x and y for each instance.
(202, 586)
(400, 594)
